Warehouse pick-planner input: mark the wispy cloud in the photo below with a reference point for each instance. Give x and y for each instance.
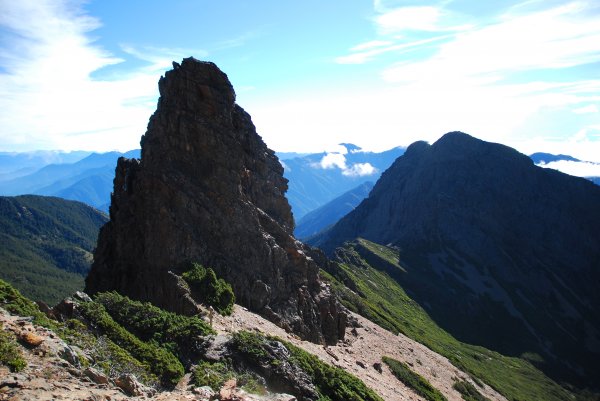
(160, 58)
(563, 37)
(333, 160)
(419, 18)
(578, 169)
(372, 44)
(492, 75)
(51, 92)
(337, 159)
(47, 96)
(363, 54)
(589, 109)
(359, 170)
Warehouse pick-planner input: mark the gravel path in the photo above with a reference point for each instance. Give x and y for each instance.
(361, 350)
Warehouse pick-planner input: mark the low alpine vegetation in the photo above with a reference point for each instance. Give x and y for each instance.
(468, 391)
(10, 355)
(209, 289)
(161, 362)
(413, 380)
(177, 333)
(331, 383)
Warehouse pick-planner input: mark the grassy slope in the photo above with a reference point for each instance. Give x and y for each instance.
(379, 298)
(46, 244)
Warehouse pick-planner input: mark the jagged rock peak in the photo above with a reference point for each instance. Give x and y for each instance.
(208, 189)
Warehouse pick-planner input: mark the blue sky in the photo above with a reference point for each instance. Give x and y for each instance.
(83, 75)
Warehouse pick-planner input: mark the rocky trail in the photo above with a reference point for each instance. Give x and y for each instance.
(54, 373)
(361, 352)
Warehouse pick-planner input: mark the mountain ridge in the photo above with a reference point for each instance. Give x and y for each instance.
(481, 220)
(47, 244)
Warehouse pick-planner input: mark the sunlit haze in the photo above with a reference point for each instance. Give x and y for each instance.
(83, 75)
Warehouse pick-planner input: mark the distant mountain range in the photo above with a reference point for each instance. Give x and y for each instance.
(540, 157)
(325, 216)
(500, 252)
(314, 179)
(318, 178)
(15, 164)
(87, 180)
(46, 244)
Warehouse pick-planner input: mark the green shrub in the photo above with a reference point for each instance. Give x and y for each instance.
(212, 375)
(209, 289)
(413, 380)
(10, 355)
(180, 334)
(250, 344)
(12, 300)
(333, 384)
(161, 362)
(468, 391)
(105, 354)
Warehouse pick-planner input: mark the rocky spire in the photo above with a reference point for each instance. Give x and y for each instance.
(208, 189)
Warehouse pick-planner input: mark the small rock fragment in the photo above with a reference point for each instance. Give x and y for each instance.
(130, 386)
(30, 339)
(377, 367)
(96, 376)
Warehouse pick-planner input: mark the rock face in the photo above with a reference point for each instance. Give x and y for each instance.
(208, 189)
(498, 251)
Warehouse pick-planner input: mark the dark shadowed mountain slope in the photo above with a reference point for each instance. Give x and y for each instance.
(328, 214)
(207, 189)
(46, 244)
(365, 274)
(500, 252)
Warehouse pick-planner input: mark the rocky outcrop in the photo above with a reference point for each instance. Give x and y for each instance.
(207, 189)
(499, 252)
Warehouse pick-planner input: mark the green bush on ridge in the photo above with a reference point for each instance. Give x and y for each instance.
(10, 355)
(413, 380)
(178, 333)
(160, 361)
(468, 391)
(332, 383)
(209, 289)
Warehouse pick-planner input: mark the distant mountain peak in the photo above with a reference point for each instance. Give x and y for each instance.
(541, 157)
(350, 147)
(492, 235)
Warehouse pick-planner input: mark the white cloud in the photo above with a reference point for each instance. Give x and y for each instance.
(419, 18)
(338, 160)
(409, 18)
(47, 95)
(579, 169)
(332, 160)
(371, 45)
(501, 81)
(589, 109)
(362, 57)
(360, 170)
(563, 37)
(160, 58)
